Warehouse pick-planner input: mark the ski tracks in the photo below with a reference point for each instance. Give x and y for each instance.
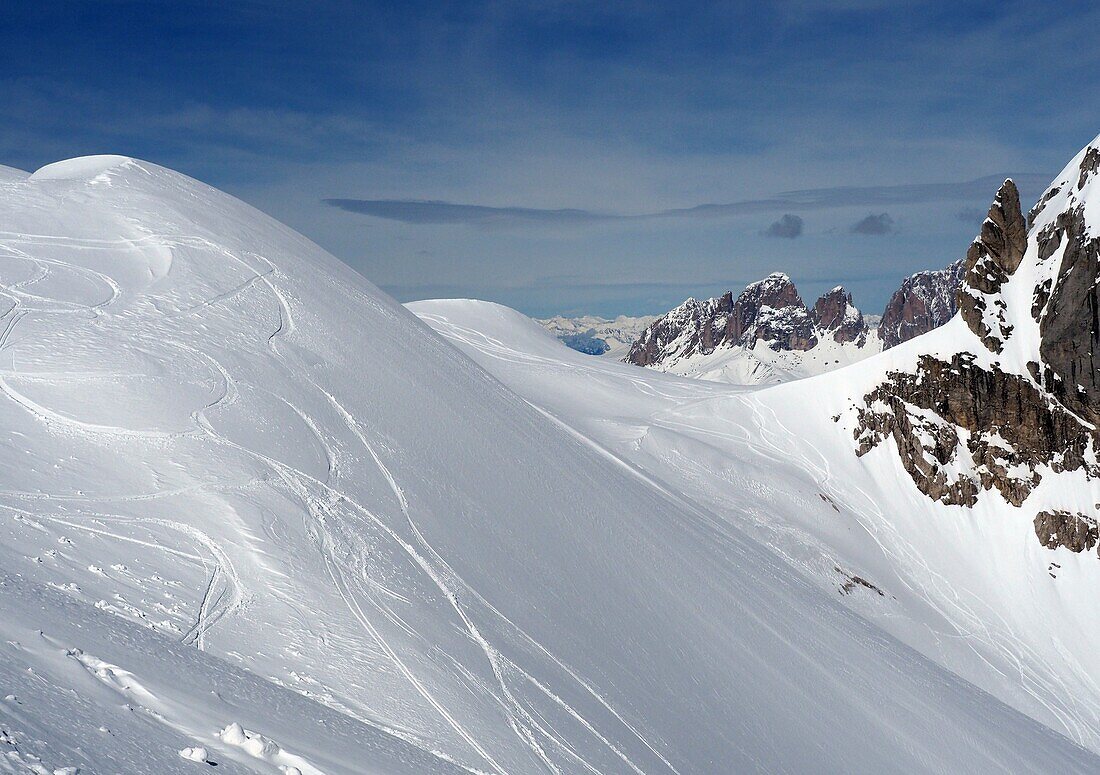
(223, 591)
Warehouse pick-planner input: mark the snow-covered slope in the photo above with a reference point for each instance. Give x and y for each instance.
(251, 505)
(761, 365)
(952, 508)
(971, 589)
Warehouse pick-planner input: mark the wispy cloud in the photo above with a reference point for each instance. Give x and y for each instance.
(787, 227)
(874, 225)
(437, 212)
(856, 196)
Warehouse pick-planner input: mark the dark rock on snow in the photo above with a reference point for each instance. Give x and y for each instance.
(1056, 528)
(769, 311)
(1012, 427)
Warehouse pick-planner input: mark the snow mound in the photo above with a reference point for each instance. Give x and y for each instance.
(11, 174)
(83, 167)
(194, 754)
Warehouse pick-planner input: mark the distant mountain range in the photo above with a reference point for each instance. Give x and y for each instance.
(766, 334)
(598, 336)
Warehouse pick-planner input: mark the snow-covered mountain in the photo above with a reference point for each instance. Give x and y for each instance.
(945, 489)
(765, 335)
(594, 335)
(256, 513)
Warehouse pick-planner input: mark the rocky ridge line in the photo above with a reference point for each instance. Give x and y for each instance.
(769, 311)
(971, 422)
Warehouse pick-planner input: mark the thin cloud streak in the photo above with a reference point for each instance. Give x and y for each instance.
(439, 212)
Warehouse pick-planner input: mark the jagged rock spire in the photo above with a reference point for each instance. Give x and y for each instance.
(835, 313)
(992, 258)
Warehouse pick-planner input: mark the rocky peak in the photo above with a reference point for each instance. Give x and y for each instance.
(1019, 398)
(993, 257)
(835, 314)
(695, 327)
(925, 301)
(769, 311)
(772, 311)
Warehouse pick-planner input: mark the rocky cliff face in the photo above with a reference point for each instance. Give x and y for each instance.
(924, 301)
(769, 311)
(961, 428)
(772, 311)
(1018, 399)
(695, 327)
(1069, 320)
(835, 313)
(992, 258)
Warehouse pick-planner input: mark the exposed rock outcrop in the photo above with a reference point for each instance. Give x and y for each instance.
(1070, 319)
(1021, 398)
(835, 313)
(769, 310)
(772, 311)
(695, 327)
(992, 258)
(1058, 527)
(1008, 428)
(924, 301)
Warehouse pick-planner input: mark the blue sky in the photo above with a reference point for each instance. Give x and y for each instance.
(576, 157)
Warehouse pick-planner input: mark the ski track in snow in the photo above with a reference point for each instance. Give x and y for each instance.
(217, 600)
(438, 571)
(499, 663)
(301, 483)
(379, 560)
(765, 437)
(223, 592)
